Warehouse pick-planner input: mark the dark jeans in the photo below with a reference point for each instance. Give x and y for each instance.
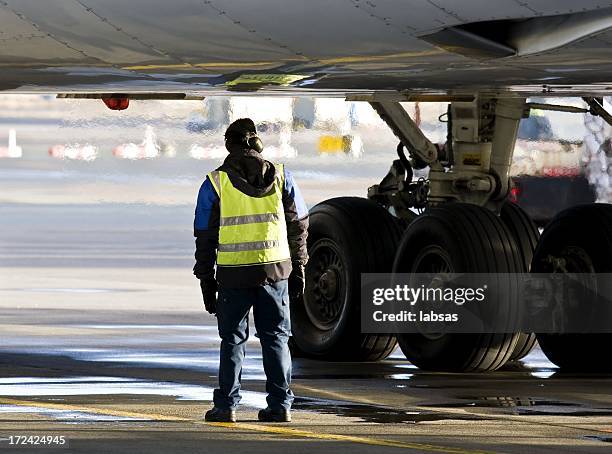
(271, 314)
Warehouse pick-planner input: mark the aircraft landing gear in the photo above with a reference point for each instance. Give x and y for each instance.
(465, 224)
(461, 231)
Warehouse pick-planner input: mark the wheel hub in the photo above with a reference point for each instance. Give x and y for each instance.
(572, 259)
(325, 283)
(577, 262)
(328, 284)
(435, 261)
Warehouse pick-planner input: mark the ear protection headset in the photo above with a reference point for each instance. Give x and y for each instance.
(254, 142)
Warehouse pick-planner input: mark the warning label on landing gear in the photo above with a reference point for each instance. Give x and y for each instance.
(439, 303)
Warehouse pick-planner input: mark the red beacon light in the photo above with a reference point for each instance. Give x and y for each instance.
(515, 192)
(117, 102)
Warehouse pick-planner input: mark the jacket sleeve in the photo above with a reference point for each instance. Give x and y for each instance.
(296, 216)
(206, 231)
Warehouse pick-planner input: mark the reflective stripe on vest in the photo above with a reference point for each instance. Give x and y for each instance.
(252, 230)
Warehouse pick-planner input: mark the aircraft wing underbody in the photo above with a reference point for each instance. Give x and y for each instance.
(296, 47)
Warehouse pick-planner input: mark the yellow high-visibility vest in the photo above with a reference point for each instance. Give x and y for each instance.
(252, 230)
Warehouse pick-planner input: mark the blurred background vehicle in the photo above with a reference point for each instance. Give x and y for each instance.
(548, 173)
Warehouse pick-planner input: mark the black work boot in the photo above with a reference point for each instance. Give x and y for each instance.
(217, 414)
(270, 415)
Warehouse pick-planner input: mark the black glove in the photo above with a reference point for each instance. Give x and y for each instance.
(297, 283)
(209, 294)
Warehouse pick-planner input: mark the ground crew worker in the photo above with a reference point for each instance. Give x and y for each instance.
(252, 222)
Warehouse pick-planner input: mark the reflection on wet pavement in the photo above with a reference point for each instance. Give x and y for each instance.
(374, 414)
(61, 388)
(599, 438)
(537, 361)
(64, 415)
(528, 406)
(97, 386)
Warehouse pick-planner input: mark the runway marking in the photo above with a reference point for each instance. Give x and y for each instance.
(335, 395)
(346, 438)
(279, 430)
(99, 411)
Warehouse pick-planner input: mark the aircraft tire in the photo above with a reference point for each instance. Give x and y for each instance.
(347, 236)
(460, 238)
(582, 236)
(526, 235)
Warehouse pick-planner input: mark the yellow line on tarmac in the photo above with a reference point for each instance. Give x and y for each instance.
(279, 430)
(334, 395)
(346, 438)
(94, 410)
